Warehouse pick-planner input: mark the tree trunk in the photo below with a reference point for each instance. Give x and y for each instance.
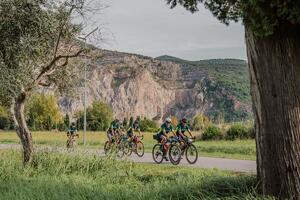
(21, 127)
(274, 63)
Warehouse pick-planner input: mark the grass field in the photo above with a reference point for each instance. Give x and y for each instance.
(63, 176)
(240, 149)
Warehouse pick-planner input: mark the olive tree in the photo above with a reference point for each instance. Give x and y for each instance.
(272, 32)
(37, 41)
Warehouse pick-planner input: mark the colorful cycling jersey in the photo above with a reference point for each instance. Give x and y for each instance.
(114, 126)
(182, 128)
(164, 129)
(72, 130)
(134, 127)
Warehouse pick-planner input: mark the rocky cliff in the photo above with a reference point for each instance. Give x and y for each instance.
(136, 85)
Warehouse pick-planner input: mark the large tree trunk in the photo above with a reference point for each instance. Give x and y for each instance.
(274, 63)
(21, 127)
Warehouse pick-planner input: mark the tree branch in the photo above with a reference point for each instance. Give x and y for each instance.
(51, 67)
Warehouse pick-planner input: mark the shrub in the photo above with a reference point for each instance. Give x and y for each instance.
(200, 122)
(148, 125)
(99, 116)
(251, 132)
(237, 131)
(212, 133)
(43, 112)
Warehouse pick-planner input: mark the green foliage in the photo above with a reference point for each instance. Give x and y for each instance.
(212, 133)
(99, 116)
(67, 120)
(125, 123)
(31, 35)
(148, 125)
(43, 112)
(262, 17)
(200, 122)
(237, 131)
(174, 121)
(53, 176)
(228, 81)
(5, 119)
(131, 121)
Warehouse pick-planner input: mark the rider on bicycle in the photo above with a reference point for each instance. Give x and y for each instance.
(72, 130)
(162, 135)
(181, 128)
(135, 127)
(113, 130)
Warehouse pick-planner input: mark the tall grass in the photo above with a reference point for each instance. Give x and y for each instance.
(63, 176)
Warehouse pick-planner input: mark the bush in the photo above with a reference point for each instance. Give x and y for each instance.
(99, 116)
(200, 122)
(238, 131)
(251, 132)
(148, 125)
(212, 133)
(43, 112)
(5, 119)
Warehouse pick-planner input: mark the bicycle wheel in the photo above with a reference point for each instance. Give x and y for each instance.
(107, 147)
(120, 150)
(139, 149)
(128, 148)
(175, 154)
(191, 154)
(157, 154)
(68, 143)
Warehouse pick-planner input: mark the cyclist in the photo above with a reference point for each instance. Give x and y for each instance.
(181, 128)
(71, 134)
(113, 130)
(135, 127)
(72, 130)
(162, 135)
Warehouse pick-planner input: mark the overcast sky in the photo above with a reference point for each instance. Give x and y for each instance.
(150, 28)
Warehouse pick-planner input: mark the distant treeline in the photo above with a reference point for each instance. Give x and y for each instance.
(43, 113)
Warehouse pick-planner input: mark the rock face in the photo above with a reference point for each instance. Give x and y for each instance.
(135, 85)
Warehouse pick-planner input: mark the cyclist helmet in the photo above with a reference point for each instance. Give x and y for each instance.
(168, 120)
(184, 120)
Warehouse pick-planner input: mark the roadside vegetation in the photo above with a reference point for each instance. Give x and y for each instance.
(237, 149)
(56, 176)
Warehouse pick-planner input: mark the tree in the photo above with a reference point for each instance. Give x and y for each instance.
(125, 123)
(99, 116)
(5, 122)
(131, 120)
(37, 41)
(174, 121)
(273, 47)
(43, 112)
(200, 122)
(148, 125)
(67, 121)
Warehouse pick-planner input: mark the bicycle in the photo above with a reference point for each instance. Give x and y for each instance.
(116, 145)
(136, 146)
(188, 148)
(171, 149)
(71, 142)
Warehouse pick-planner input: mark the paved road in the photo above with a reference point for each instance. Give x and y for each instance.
(203, 162)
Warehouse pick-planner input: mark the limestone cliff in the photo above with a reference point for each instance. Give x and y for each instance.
(136, 85)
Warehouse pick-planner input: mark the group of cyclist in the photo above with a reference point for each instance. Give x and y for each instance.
(116, 130)
(166, 130)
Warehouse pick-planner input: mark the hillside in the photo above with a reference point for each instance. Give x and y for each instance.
(136, 85)
(231, 74)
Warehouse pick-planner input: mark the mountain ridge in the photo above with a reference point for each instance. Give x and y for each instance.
(136, 85)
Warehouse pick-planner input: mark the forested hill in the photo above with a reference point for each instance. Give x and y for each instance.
(231, 74)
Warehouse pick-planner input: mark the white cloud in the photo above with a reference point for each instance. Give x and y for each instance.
(150, 28)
